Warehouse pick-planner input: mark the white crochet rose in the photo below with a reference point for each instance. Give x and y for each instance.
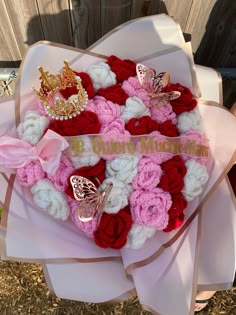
(88, 160)
(194, 180)
(189, 121)
(79, 162)
(51, 200)
(101, 75)
(119, 195)
(123, 168)
(32, 128)
(138, 235)
(134, 108)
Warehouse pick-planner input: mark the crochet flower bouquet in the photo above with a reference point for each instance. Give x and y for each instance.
(117, 148)
(106, 169)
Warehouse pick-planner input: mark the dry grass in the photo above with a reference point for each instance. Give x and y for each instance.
(23, 291)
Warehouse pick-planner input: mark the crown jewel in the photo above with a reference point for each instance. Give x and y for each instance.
(49, 93)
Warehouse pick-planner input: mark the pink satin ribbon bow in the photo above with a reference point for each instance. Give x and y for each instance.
(16, 153)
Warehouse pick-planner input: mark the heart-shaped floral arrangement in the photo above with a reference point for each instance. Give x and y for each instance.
(119, 200)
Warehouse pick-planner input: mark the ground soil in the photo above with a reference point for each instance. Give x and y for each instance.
(23, 291)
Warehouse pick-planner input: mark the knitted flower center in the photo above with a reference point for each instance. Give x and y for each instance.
(153, 210)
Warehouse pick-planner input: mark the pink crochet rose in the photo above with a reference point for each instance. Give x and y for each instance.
(106, 110)
(113, 134)
(150, 208)
(87, 227)
(115, 127)
(163, 113)
(148, 176)
(63, 172)
(133, 88)
(29, 174)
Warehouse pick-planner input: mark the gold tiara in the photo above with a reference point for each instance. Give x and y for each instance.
(49, 93)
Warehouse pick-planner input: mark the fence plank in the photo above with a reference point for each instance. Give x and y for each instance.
(19, 14)
(9, 48)
(114, 13)
(179, 10)
(218, 46)
(86, 22)
(197, 20)
(145, 7)
(56, 21)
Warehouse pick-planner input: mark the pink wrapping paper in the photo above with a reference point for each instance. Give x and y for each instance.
(73, 264)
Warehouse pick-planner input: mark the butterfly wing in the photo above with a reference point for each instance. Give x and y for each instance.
(92, 201)
(163, 98)
(94, 205)
(145, 76)
(151, 81)
(85, 211)
(169, 96)
(81, 187)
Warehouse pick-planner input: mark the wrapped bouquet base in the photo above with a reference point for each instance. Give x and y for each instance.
(167, 271)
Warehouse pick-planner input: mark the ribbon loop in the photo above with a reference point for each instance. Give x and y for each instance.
(16, 153)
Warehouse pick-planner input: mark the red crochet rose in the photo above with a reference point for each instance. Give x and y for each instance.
(85, 123)
(168, 129)
(141, 126)
(87, 85)
(175, 223)
(113, 229)
(173, 178)
(114, 93)
(178, 205)
(122, 68)
(185, 102)
(90, 172)
(67, 92)
(176, 162)
(172, 181)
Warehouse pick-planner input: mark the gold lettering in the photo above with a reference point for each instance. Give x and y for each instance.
(131, 147)
(177, 147)
(156, 145)
(162, 146)
(147, 145)
(77, 146)
(106, 147)
(97, 145)
(190, 147)
(117, 147)
(202, 150)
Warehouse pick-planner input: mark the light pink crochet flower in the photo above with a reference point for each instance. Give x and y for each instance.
(30, 174)
(113, 133)
(133, 88)
(106, 110)
(87, 227)
(148, 176)
(63, 172)
(116, 127)
(163, 113)
(150, 208)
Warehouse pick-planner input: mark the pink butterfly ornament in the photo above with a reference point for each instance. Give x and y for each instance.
(92, 201)
(155, 84)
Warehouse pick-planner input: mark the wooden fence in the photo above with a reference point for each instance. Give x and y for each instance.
(79, 23)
